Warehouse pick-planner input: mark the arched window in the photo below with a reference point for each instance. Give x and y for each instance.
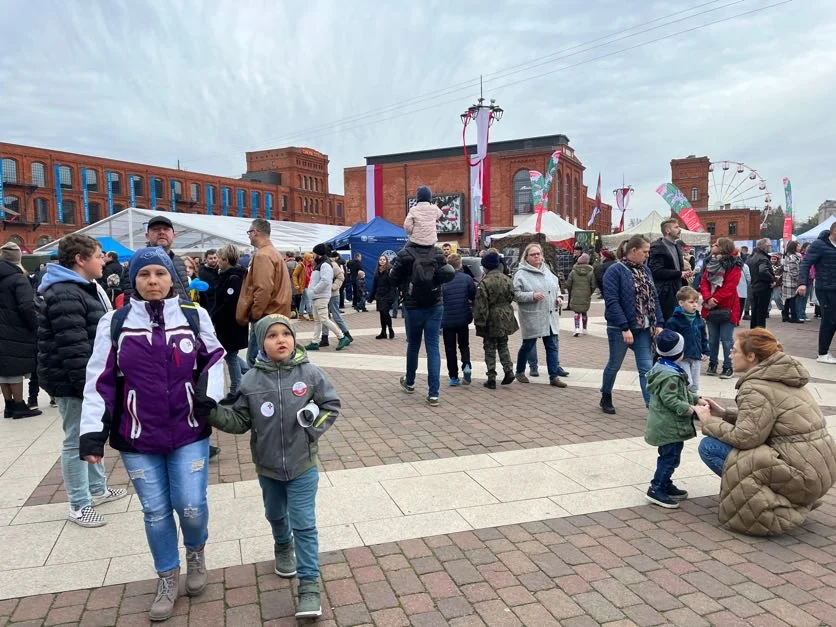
(194, 192)
(139, 186)
(116, 182)
(68, 208)
(38, 174)
(92, 181)
(43, 240)
(9, 169)
(42, 211)
(178, 190)
(523, 200)
(65, 177)
(695, 194)
(159, 189)
(567, 195)
(12, 203)
(95, 211)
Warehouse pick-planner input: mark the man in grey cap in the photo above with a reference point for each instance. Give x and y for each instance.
(160, 232)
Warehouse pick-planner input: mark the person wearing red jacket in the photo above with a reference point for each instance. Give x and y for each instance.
(721, 305)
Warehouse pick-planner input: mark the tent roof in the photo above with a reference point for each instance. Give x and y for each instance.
(555, 228)
(651, 227)
(378, 228)
(111, 245)
(813, 234)
(200, 231)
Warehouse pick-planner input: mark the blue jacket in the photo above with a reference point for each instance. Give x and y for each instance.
(458, 296)
(620, 298)
(822, 255)
(694, 333)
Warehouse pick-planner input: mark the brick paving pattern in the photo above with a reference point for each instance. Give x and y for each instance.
(638, 566)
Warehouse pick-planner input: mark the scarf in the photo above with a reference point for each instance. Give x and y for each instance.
(716, 268)
(690, 317)
(672, 364)
(645, 299)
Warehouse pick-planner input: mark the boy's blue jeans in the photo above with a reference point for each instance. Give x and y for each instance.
(81, 480)
(666, 464)
(714, 453)
(168, 483)
(290, 508)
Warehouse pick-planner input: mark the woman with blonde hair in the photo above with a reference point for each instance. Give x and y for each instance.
(773, 452)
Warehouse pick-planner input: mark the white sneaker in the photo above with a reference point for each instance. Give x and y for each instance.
(584, 332)
(86, 517)
(111, 494)
(577, 333)
(827, 358)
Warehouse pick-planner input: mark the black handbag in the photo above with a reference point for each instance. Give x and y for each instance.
(719, 316)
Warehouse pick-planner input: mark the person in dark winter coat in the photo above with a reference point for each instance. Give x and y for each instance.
(208, 271)
(383, 293)
(17, 332)
(607, 259)
(232, 336)
(763, 281)
(68, 317)
(667, 264)
(458, 296)
(493, 316)
(112, 268)
(160, 232)
(821, 256)
(686, 321)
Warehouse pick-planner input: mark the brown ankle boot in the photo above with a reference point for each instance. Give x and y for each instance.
(167, 589)
(195, 571)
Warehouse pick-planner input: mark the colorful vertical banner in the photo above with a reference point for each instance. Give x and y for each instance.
(85, 200)
(788, 211)
(2, 197)
(268, 206)
(172, 186)
(240, 203)
(597, 208)
(224, 200)
(109, 183)
(209, 200)
(131, 180)
(59, 200)
(680, 206)
(374, 192)
(153, 181)
(622, 200)
(540, 186)
(254, 203)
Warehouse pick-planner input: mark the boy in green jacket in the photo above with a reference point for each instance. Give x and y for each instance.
(670, 417)
(286, 403)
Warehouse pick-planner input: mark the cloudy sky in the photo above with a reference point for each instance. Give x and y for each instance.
(205, 81)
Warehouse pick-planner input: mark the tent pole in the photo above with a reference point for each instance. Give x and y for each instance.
(131, 228)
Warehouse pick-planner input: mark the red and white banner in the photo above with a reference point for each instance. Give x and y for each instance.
(374, 192)
(597, 209)
(479, 171)
(622, 199)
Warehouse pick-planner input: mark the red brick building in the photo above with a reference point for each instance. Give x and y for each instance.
(690, 175)
(509, 198)
(287, 183)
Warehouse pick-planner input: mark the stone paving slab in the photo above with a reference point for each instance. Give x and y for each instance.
(634, 566)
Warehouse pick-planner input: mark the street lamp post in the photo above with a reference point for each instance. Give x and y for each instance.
(484, 115)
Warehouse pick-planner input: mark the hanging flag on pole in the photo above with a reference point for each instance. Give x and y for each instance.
(85, 199)
(540, 186)
(374, 192)
(109, 180)
(172, 196)
(597, 208)
(622, 200)
(680, 206)
(131, 180)
(788, 211)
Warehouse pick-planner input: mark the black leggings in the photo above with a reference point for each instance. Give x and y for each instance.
(385, 320)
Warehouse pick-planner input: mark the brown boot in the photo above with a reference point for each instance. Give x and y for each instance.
(195, 571)
(167, 589)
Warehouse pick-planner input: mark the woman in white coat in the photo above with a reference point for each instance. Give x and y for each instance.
(538, 296)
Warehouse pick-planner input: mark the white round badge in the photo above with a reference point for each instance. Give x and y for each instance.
(267, 409)
(230, 291)
(186, 345)
(299, 388)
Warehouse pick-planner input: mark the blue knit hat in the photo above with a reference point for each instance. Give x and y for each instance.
(150, 256)
(424, 194)
(669, 343)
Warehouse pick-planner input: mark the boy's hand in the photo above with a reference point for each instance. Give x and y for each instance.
(704, 358)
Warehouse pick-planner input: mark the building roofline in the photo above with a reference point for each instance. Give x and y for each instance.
(526, 143)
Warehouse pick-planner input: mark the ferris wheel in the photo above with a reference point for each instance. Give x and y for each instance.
(734, 185)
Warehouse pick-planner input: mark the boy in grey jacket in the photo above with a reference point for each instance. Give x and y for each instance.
(286, 403)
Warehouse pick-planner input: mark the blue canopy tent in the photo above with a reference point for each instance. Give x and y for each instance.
(371, 239)
(341, 241)
(111, 245)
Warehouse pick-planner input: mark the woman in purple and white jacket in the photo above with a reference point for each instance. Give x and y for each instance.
(148, 360)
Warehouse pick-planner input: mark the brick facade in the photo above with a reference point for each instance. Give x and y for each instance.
(446, 172)
(690, 175)
(297, 179)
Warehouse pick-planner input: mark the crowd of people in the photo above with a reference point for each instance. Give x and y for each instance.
(108, 340)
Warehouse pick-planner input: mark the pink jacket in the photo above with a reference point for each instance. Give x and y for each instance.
(420, 223)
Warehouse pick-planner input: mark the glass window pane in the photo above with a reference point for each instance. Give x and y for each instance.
(116, 182)
(92, 180)
(68, 207)
(139, 186)
(38, 175)
(523, 199)
(9, 171)
(194, 192)
(42, 210)
(65, 174)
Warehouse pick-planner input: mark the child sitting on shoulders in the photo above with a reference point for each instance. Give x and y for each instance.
(420, 223)
(686, 321)
(287, 403)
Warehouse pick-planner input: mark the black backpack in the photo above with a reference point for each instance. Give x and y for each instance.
(424, 287)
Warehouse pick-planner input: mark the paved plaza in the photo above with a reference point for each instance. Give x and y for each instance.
(519, 506)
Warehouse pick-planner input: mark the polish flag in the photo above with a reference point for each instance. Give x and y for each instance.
(374, 192)
(597, 208)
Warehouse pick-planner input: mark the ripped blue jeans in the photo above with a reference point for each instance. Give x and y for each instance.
(169, 483)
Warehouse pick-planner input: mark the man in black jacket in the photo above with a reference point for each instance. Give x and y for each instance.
(354, 266)
(423, 309)
(821, 255)
(763, 280)
(71, 304)
(160, 232)
(666, 264)
(209, 272)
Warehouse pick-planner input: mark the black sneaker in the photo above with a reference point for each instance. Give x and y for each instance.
(409, 389)
(657, 497)
(490, 384)
(213, 451)
(711, 371)
(508, 379)
(727, 373)
(676, 494)
(561, 372)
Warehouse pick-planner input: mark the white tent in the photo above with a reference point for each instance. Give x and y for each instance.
(198, 232)
(555, 228)
(813, 233)
(651, 228)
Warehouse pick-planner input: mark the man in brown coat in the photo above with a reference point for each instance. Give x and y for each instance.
(266, 288)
